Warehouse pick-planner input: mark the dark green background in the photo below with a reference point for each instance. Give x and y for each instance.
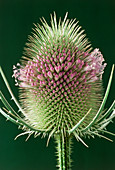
(16, 20)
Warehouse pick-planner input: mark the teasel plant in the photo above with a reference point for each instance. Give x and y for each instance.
(60, 88)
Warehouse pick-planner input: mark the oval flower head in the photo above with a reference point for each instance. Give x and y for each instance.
(60, 80)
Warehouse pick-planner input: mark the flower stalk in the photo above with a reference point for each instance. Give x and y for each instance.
(63, 152)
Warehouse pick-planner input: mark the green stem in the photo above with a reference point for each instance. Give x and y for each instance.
(63, 152)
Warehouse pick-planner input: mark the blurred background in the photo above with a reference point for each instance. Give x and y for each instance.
(97, 17)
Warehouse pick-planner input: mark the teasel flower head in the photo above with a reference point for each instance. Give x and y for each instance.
(60, 82)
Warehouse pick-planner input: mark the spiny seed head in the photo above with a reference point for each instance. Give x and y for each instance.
(60, 76)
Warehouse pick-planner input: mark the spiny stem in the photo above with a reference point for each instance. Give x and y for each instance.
(63, 152)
